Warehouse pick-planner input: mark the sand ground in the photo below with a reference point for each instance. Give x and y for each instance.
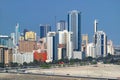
(6, 76)
(99, 70)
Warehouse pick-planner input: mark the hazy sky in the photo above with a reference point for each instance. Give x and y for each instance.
(30, 13)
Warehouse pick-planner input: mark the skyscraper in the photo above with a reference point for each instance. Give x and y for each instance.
(24, 32)
(51, 47)
(17, 34)
(13, 39)
(100, 43)
(61, 25)
(65, 44)
(95, 26)
(74, 25)
(44, 29)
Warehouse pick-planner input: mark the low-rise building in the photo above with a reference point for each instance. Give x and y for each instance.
(40, 56)
(21, 58)
(78, 55)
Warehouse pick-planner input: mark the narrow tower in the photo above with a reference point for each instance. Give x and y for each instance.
(95, 26)
(74, 25)
(17, 33)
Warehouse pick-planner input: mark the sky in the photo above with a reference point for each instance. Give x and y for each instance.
(31, 13)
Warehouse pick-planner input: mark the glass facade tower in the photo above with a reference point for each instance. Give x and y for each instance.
(74, 25)
(44, 29)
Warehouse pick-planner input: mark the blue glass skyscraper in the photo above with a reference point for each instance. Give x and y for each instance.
(74, 25)
(44, 29)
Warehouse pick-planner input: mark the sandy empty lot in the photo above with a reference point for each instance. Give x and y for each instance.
(99, 70)
(6, 76)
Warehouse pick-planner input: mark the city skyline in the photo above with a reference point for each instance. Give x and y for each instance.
(29, 14)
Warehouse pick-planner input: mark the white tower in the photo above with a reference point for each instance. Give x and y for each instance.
(95, 25)
(100, 43)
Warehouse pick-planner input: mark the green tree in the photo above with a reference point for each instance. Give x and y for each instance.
(2, 65)
(25, 64)
(14, 64)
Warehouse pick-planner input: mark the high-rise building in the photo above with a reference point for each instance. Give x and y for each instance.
(74, 25)
(95, 25)
(6, 41)
(27, 46)
(17, 34)
(84, 42)
(30, 35)
(65, 44)
(5, 56)
(44, 29)
(13, 38)
(61, 25)
(61, 45)
(91, 50)
(69, 46)
(110, 47)
(51, 47)
(117, 50)
(24, 32)
(100, 41)
(43, 44)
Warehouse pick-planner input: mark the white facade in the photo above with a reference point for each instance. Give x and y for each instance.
(61, 37)
(21, 58)
(100, 41)
(95, 26)
(61, 25)
(91, 50)
(110, 48)
(65, 38)
(59, 53)
(65, 49)
(50, 46)
(77, 55)
(69, 45)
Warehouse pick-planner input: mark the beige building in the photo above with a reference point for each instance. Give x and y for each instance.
(5, 56)
(27, 46)
(110, 47)
(84, 42)
(30, 35)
